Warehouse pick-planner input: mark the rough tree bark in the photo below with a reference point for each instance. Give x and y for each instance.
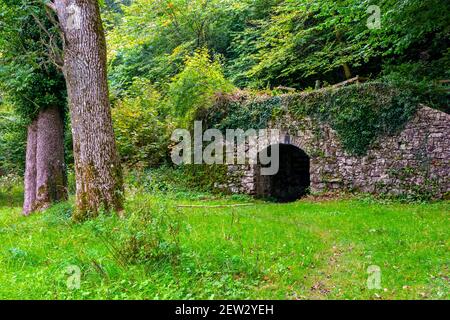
(45, 179)
(30, 170)
(97, 167)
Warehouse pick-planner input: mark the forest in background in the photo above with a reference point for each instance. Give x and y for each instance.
(168, 59)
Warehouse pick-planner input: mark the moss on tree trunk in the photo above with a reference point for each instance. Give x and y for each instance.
(98, 172)
(45, 179)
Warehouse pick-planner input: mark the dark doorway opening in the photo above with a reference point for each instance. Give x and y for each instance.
(292, 180)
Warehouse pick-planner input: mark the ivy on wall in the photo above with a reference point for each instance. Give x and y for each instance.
(360, 113)
(243, 110)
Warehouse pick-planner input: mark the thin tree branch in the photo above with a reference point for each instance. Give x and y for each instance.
(54, 52)
(51, 6)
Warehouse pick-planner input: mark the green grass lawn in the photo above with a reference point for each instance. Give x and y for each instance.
(309, 249)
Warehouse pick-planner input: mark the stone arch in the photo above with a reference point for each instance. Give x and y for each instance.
(292, 180)
(414, 160)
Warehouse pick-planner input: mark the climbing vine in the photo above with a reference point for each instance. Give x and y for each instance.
(243, 110)
(360, 114)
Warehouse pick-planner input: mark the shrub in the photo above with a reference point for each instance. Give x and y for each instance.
(141, 132)
(148, 234)
(11, 190)
(187, 180)
(195, 87)
(12, 142)
(243, 110)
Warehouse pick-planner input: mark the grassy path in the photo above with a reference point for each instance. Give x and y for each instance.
(303, 250)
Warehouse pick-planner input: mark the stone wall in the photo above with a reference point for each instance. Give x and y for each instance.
(414, 161)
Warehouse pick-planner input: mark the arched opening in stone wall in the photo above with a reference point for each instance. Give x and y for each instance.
(292, 180)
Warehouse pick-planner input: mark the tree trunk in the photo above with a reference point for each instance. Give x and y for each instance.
(51, 183)
(345, 66)
(45, 179)
(30, 170)
(347, 71)
(98, 172)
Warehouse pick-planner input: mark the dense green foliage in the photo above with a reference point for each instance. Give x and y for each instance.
(194, 88)
(152, 38)
(144, 118)
(12, 142)
(29, 81)
(170, 59)
(304, 41)
(28, 78)
(141, 132)
(243, 110)
(267, 43)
